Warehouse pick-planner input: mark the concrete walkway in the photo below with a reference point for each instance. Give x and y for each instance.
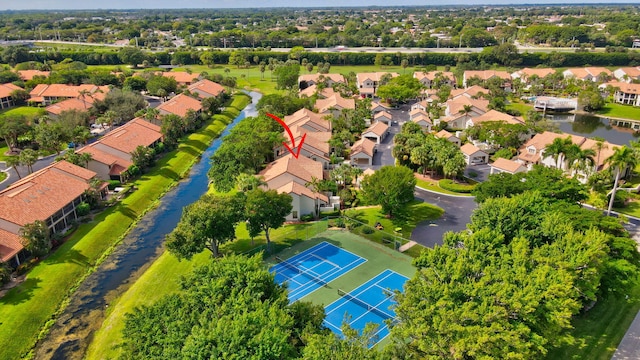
(407, 246)
(629, 347)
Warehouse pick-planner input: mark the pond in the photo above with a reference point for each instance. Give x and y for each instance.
(593, 126)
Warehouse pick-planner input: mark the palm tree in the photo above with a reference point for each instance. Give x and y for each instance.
(85, 157)
(466, 110)
(557, 149)
(152, 115)
(622, 158)
(28, 157)
(579, 159)
(14, 162)
(246, 182)
(356, 172)
(598, 147)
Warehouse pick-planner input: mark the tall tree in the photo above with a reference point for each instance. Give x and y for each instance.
(391, 187)
(11, 127)
(557, 149)
(14, 162)
(132, 56)
(35, 238)
(28, 157)
(206, 224)
(622, 158)
(266, 210)
(51, 137)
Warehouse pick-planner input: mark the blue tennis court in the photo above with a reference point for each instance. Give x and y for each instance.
(314, 268)
(371, 302)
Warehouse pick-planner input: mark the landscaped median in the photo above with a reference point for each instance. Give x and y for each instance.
(434, 185)
(27, 311)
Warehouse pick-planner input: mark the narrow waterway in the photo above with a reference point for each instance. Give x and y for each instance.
(593, 126)
(72, 332)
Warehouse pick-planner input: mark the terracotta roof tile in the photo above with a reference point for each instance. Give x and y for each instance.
(469, 149)
(334, 101)
(135, 133)
(41, 194)
(469, 92)
(69, 104)
(444, 134)
(378, 128)
(487, 74)
(10, 245)
(302, 168)
(364, 146)
(431, 75)
(207, 88)
(506, 165)
(307, 117)
(27, 75)
(316, 77)
(526, 73)
(180, 105)
(374, 76)
(295, 188)
(494, 115)
(7, 89)
(181, 77)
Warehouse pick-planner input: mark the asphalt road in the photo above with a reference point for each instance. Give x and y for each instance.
(457, 214)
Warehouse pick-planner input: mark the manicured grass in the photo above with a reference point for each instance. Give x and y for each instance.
(29, 309)
(3, 175)
(522, 107)
(28, 111)
(433, 186)
(598, 332)
(633, 208)
(3, 149)
(405, 221)
(620, 111)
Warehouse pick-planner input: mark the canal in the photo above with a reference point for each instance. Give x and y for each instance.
(71, 334)
(593, 126)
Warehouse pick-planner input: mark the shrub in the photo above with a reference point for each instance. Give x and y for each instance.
(620, 200)
(83, 209)
(451, 185)
(367, 230)
(339, 222)
(114, 184)
(5, 273)
(307, 217)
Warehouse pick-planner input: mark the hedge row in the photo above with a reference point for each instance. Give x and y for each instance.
(451, 185)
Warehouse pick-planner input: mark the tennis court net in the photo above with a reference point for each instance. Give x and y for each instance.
(365, 305)
(306, 274)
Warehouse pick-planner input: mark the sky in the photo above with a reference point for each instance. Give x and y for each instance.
(172, 4)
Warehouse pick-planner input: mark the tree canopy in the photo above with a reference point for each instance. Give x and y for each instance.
(391, 187)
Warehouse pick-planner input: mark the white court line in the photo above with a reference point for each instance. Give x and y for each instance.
(362, 291)
(326, 274)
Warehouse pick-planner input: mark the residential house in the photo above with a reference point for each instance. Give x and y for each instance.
(111, 155)
(473, 155)
(377, 107)
(315, 146)
(628, 94)
(533, 152)
(6, 101)
(308, 120)
(182, 77)
(486, 75)
(460, 109)
(413, 113)
(525, 74)
(444, 134)
(206, 89)
(307, 80)
(50, 195)
(423, 121)
(474, 91)
(47, 94)
(627, 74)
(334, 104)
(494, 115)
(180, 105)
(427, 78)
(287, 169)
(595, 74)
(367, 83)
(362, 152)
(313, 90)
(304, 200)
(420, 105)
(54, 110)
(507, 166)
(27, 75)
(376, 132)
(384, 117)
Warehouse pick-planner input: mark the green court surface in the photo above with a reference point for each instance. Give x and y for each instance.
(379, 258)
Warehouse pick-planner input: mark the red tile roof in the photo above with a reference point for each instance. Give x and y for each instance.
(302, 168)
(494, 115)
(207, 88)
(378, 128)
(469, 149)
(68, 91)
(364, 146)
(128, 137)
(105, 158)
(7, 89)
(307, 117)
(487, 74)
(27, 75)
(41, 194)
(10, 245)
(180, 105)
(334, 101)
(295, 188)
(506, 165)
(69, 104)
(182, 77)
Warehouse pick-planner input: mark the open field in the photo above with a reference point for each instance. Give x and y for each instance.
(620, 111)
(29, 309)
(27, 111)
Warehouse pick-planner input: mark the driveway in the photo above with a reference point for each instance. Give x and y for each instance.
(482, 171)
(384, 154)
(13, 177)
(457, 214)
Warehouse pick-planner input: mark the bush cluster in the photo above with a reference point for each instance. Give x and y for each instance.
(451, 185)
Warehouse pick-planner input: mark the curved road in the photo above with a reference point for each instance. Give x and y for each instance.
(457, 213)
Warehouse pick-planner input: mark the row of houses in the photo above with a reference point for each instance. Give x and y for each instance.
(53, 194)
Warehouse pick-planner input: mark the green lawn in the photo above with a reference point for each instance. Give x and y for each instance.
(3, 176)
(598, 332)
(433, 186)
(3, 149)
(28, 310)
(620, 111)
(28, 111)
(522, 107)
(404, 222)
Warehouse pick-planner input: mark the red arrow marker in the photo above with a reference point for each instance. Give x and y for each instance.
(293, 141)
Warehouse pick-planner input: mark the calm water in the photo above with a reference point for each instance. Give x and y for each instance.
(72, 333)
(593, 126)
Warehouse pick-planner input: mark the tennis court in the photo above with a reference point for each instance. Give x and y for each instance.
(314, 268)
(371, 302)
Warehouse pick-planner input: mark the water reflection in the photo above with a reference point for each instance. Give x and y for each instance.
(593, 126)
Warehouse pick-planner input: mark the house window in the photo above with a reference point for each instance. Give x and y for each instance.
(294, 214)
(532, 151)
